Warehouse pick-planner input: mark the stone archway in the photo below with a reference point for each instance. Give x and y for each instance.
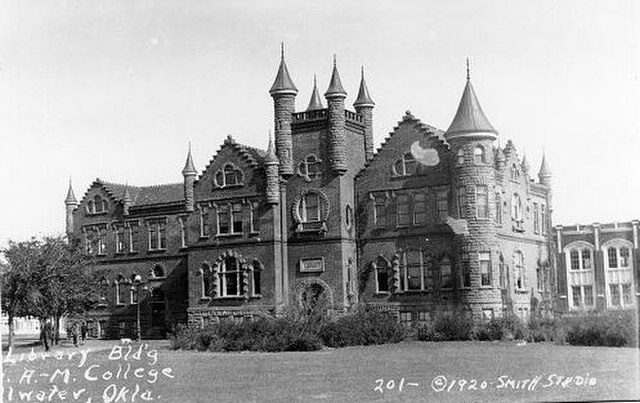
(313, 296)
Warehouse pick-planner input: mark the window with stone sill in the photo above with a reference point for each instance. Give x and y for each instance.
(230, 218)
(205, 222)
(479, 155)
(485, 268)
(442, 205)
(465, 270)
(255, 217)
(310, 210)
(157, 235)
(482, 202)
(228, 176)
(310, 168)
(405, 165)
(379, 210)
(382, 268)
(120, 239)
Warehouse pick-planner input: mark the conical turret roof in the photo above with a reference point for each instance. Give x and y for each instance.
(525, 163)
(470, 119)
(270, 157)
(364, 99)
(283, 83)
(315, 102)
(126, 197)
(544, 168)
(71, 197)
(189, 167)
(335, 85)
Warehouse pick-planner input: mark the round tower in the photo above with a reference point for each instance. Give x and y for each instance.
(283, 92)
(70, 203)
(471, 138)
(189, 174)
(364, 106)
(271, 162)
(335, 96)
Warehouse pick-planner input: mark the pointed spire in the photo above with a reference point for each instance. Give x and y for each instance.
(335, 85)
(364, 99)
(126, 197)
(525, 164)
(189, 167)
(283, 83)
(470, 119)
(271, 158)
(315, 102)
(544, 168)
(71, 197)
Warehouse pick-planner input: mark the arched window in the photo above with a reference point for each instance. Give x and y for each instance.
(229, 175)
(205, 281)
(310, 168)
(230, 277)
(619, 274)
(382, 267)
(405, 165)
(518, 265)
(478, 155)
(460, 157)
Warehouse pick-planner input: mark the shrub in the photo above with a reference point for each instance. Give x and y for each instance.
(362, 328)
(544, 329)
(507, 328)
(612, 328)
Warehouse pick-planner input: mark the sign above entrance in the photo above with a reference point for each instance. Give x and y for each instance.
(313, 265)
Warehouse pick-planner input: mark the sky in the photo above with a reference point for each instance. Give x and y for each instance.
(117, 89)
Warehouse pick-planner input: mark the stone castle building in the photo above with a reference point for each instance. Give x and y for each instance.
(433, 221)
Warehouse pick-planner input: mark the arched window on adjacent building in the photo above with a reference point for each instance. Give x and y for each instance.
(620, 290)
(580, 275)
(518, 265)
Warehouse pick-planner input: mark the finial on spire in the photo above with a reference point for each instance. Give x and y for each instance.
(282, 50)
(334, 60)
(189, 166)
(71, 197)
(468, 70)
(335, 85)
(283, 83)
(363, 99)
(362, 72)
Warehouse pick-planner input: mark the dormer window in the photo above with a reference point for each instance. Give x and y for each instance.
(97, 206)
(310, 168)
(229, 176)
(405, 165)
(478, 155)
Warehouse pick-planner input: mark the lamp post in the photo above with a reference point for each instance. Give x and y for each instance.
(137, 280)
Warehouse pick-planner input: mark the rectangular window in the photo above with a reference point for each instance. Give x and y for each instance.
(380, 211)
(575, 260)
(536, 218)
(134, 237)
(413, 267)
(615, 294)
(102, 242)
(119, 239)
(419, 209)
(382, 277)
(446, 279)
(402, 210)
(205, 224)
(588, 295)
(224, 225)
(485, 268)
(424, 316)
(482, 202)
(577, 296)
(465, 271)
(157, 235)
(428, 273)
(257, 290)
(442, 205)
(613, 258)
(462, 203)
(624, 257)
(255, 217)
(405, 317)
(153, 237)
(162, 235)
(543, 218)
(183, 231)
(236, 218)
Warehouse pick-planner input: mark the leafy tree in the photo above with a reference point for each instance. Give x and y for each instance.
(51, 279)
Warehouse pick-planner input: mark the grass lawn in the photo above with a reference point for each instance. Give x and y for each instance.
(345, 375)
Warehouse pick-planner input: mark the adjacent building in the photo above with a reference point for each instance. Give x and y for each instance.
(433, 221)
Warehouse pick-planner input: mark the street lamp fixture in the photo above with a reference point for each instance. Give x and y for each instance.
(137, 281)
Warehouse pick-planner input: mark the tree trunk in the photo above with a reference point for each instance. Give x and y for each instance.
(56, 336)
(10, 337)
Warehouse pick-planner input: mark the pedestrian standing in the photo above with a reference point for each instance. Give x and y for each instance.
(45, 334)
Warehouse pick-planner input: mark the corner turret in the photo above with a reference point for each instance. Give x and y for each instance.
(189, 174)
(337, 142)
(70, 203)
(283, 92)
(364, 106)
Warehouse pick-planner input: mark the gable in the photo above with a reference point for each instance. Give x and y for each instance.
(235, 171)
(97, 201)
(414, 155)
